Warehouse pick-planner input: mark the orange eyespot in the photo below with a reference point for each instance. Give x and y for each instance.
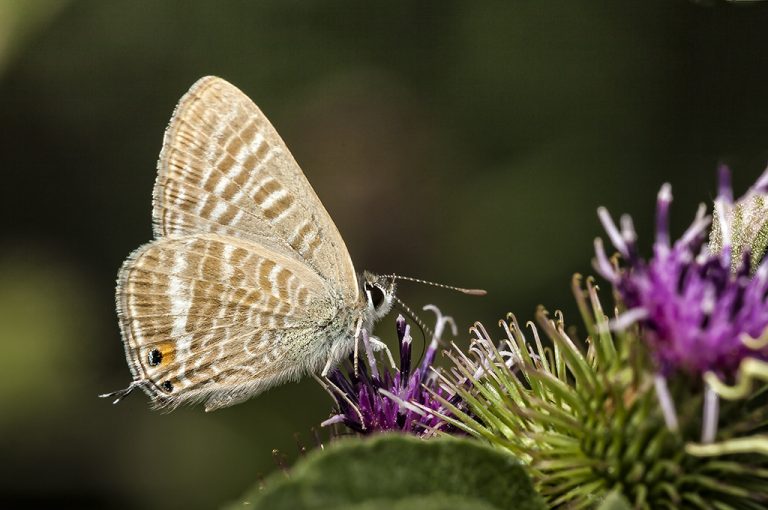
(161, 353)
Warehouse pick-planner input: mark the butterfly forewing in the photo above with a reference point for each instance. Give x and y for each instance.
(217, 318)
(224, 169)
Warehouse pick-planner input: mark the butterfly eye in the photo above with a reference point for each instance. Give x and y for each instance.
(376, 296)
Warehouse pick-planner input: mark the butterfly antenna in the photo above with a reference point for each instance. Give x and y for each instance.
(410, 313)
(471, 292)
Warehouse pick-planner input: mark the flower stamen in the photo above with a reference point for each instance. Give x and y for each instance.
(666, 403)
(711, 415)
(372, 398)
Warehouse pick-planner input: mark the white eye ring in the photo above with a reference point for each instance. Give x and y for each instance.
(376, 296)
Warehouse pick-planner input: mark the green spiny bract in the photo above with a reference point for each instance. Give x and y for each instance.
(589, 422)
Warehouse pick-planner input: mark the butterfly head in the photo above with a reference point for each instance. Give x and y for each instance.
(378, 292)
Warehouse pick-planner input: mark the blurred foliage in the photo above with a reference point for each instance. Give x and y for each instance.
(402, 472)
(20, 20)
(462, 142)
(615, 501)
(42, 358)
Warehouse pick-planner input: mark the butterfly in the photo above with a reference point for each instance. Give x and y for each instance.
(248, 282)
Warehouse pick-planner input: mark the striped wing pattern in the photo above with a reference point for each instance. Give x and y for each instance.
(224, 169)
(209, 317)
(248, 282)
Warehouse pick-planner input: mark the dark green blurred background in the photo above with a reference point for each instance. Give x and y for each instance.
(462, 142)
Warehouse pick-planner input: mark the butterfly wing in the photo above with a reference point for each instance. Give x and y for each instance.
(224, 169)
(217, 318)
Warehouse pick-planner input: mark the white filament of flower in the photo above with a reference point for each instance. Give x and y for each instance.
(711, 412)
(404, 404)
(666, 403)
(442, 320)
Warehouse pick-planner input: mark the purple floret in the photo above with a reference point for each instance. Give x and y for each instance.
(694, 306)
(377, 399)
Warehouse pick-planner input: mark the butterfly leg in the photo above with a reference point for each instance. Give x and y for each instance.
(378, 345)
(358, 328)
(327, 367)
(335, 391)
(330, 362)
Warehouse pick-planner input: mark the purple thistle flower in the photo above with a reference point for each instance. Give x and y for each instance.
(377, 399)
(696, 307)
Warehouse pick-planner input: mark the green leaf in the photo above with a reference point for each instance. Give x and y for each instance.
(399, 473)
(615, 501)
(429, 502)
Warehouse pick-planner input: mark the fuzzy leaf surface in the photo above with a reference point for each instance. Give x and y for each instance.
(399, 472)
(615, 501)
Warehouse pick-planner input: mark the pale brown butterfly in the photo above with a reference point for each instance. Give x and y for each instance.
(248, 282)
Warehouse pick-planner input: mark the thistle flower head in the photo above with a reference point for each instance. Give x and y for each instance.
(587, 421)
(696, 307)
(374, 399)
(605, 414)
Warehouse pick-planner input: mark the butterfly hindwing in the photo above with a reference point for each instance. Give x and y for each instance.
(216, 318)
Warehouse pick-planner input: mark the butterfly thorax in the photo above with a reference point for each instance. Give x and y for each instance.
(375, 298)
